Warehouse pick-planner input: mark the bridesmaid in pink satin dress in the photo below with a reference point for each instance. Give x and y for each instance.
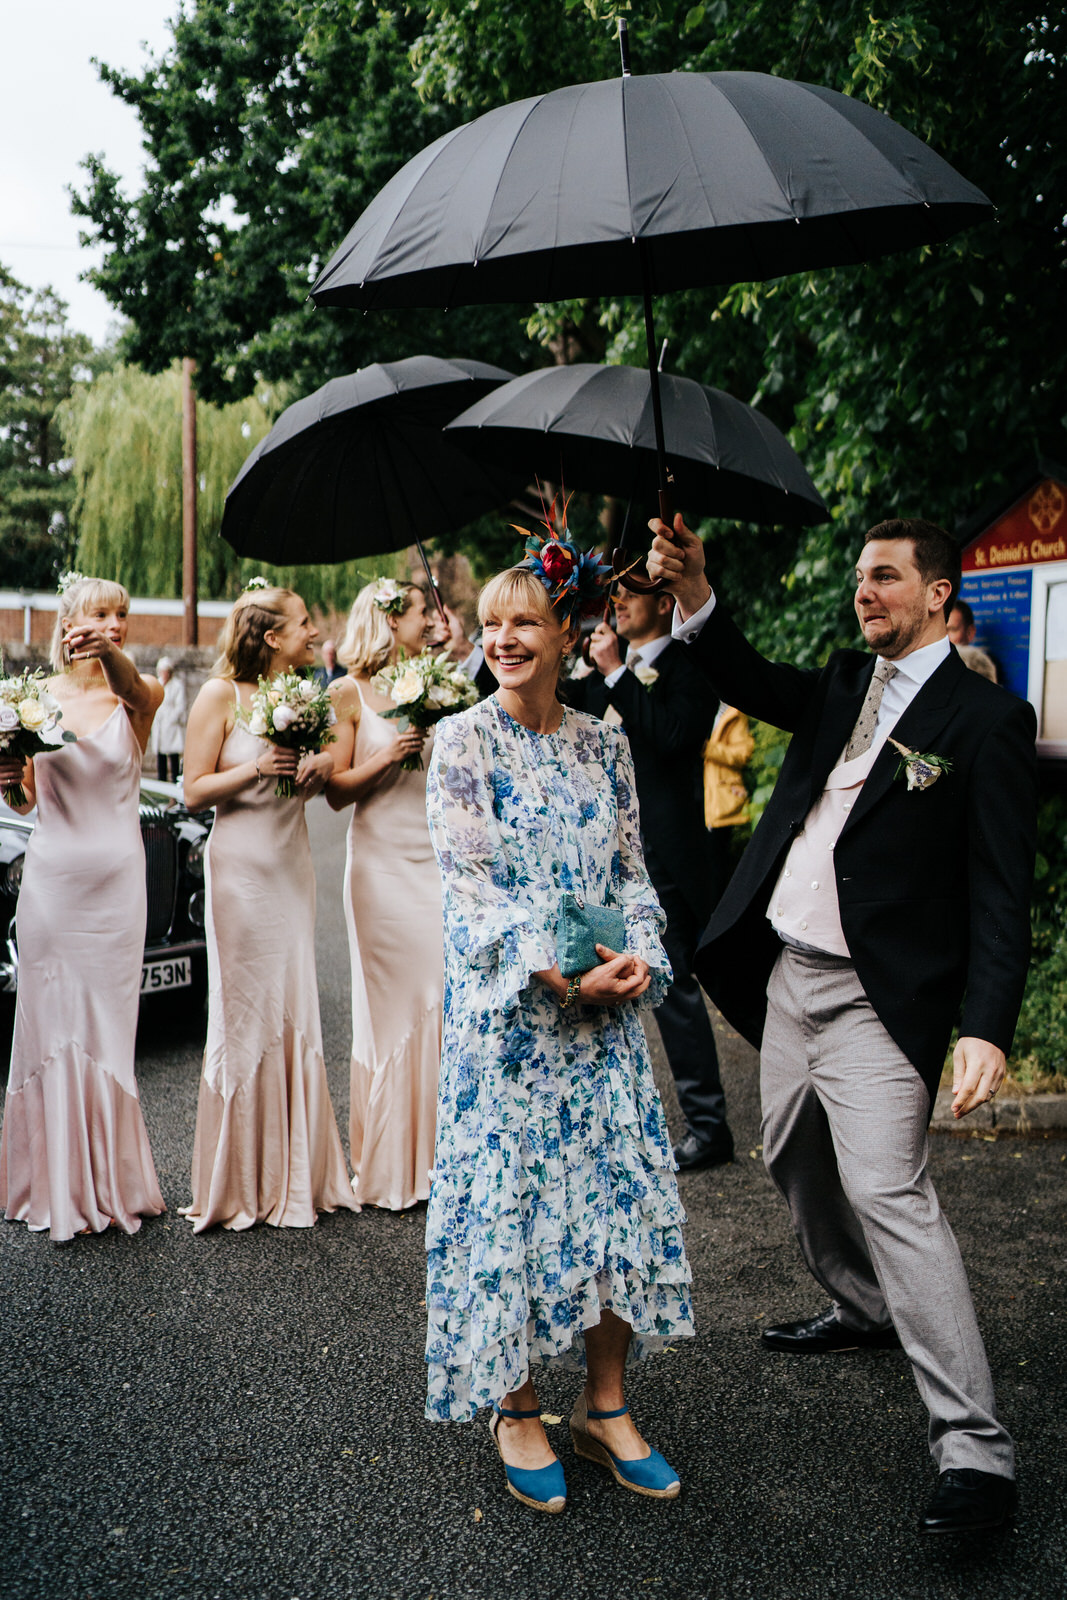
(266, 1147)
(392, 899)
(74, 1154)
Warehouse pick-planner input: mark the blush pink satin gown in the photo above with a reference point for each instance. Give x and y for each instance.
(74, 1153)
(392, 900)
(266, 1147)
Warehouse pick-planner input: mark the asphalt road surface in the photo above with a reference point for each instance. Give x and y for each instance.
(240, 1415)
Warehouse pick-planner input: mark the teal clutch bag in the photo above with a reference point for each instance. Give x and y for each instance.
(581, 927)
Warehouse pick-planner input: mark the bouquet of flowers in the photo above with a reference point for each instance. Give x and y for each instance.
(27, 711)
(423, 689)
(295, 712)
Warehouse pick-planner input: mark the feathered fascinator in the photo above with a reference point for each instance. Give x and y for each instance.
(575, 579)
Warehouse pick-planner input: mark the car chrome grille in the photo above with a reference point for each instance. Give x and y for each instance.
(161, 875)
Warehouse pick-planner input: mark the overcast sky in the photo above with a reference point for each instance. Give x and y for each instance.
(53, 112)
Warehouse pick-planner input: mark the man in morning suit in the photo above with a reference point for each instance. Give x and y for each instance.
(661, 698)
(839, 948)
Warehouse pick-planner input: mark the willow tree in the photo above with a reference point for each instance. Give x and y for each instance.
(124, 434)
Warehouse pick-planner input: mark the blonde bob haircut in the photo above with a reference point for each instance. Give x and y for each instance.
(244, 654)
(83, 596)
(368, 641)
(518, 589)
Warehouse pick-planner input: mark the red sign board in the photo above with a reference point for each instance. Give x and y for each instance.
(1033, 531)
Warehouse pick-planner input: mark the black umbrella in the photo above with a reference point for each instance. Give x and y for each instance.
(663, 182)
(637, 185)
(361, 467)
(591, 427)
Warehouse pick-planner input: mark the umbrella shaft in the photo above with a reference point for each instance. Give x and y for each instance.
(432, 581)
(666, 476)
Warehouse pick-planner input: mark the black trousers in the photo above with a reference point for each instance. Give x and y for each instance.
(683, 1022)
(167, 762)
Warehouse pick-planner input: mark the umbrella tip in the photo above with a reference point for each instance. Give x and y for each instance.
(624, 46)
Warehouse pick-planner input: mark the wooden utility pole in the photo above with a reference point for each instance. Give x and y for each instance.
(190, 630)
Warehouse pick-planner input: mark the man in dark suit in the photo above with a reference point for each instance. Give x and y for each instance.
(888, 881)
(661, 698)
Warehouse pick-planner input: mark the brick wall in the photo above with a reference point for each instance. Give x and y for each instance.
(156, 624)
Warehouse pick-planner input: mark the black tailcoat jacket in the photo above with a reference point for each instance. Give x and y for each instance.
(933, 885)
(667, 724)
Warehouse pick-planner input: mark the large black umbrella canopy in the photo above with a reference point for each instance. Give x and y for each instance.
(636, 185)
(361, 467)
(651, 183)
(591, 427)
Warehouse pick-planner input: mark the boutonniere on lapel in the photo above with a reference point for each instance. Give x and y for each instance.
(922, 768)
(646, 676)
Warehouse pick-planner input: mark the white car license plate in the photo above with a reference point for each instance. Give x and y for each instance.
(159, 975)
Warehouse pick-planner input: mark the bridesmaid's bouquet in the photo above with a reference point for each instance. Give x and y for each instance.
(27, 711)
(424, 689)
(292, 711)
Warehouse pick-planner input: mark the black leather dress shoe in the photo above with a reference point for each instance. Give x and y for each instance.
(823, 1335)
(692, 1155)
(969, 1501)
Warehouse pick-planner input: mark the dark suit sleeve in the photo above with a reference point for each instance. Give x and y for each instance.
(773, 691)
(676, 714)
(1001, 847)
(587, 694)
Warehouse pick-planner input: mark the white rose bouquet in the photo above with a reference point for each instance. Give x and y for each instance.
(424, 689)
(27, 711)
(295, 712)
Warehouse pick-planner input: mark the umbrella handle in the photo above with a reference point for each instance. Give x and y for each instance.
(618, 557)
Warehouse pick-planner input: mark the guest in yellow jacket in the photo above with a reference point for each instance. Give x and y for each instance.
(729, 747)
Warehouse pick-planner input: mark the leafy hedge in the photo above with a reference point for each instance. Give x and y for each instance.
(1041, 1038)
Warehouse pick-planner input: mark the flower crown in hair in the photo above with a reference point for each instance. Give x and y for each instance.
(68, 579)
(255, 583)
(389, 597)
(575, 579)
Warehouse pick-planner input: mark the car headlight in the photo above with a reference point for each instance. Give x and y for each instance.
(194, 859)
(12, 879)
(197, 908)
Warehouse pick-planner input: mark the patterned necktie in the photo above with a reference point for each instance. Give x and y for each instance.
(863, 732)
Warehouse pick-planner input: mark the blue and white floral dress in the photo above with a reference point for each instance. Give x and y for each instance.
(553, 1190)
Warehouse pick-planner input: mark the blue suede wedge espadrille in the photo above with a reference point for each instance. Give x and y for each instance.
(649, 1474)
(544, 1489)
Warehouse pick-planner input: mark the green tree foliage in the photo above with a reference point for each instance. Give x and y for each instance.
(268, 126)
(124, 432)
(40, 358)
(911, 386)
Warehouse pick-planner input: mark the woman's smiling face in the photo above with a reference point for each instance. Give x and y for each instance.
(524, 647)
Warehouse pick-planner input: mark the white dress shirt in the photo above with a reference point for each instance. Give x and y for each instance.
(803, 908)
(913, 670)
(646, 656)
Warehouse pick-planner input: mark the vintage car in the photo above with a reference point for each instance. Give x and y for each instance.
(175, 955)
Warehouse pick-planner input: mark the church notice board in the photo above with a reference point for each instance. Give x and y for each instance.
(1015, 581)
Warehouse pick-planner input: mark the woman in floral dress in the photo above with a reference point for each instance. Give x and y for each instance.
(554, 1224)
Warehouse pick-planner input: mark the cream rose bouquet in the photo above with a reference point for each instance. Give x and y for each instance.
(292, 711)
(423, 689)
(27, 711)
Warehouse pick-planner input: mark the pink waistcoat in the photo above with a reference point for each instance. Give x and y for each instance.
(804, 903)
